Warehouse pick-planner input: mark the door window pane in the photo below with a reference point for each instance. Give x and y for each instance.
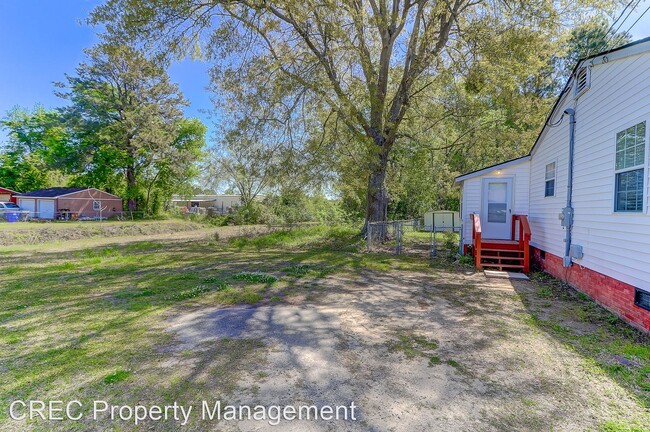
(497, 212)
(497, 202)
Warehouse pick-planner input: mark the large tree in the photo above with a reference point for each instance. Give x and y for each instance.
(34, 156)
(124, 113)
(368, 61)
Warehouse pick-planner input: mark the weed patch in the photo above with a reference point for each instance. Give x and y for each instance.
(412, 345)
(116, 377)
(255, 277)
(194, 292)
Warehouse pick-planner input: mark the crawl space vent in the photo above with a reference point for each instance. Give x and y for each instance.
(642, 299)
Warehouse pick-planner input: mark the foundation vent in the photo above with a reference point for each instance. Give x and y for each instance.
(642, 299)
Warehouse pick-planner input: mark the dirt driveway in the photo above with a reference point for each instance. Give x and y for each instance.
(442, 352)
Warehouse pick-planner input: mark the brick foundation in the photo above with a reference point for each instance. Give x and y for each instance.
(612, 294)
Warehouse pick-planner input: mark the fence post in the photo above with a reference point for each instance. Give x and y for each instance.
(398, 237)
(434, 251)
(369, 237)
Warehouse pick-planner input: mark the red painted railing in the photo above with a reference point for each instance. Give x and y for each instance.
(524, 237)
(518, 221)
(476, 240)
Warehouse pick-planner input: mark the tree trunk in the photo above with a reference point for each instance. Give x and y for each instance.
(131, 188)
(377, 195)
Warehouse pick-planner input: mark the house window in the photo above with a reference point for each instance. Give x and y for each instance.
(630, 161)
(582, 81)
(96, 206)
(549, 183)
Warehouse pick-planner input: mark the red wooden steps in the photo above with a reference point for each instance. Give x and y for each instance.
(513, 253)
(502, 259)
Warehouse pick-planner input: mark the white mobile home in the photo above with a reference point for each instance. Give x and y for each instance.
(582, 195)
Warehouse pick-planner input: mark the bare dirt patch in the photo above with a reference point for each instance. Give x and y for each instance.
(414, 352)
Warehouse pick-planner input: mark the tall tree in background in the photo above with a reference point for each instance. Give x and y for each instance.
(35, 155)
(124, 114)
(174, 170)
(367, 61)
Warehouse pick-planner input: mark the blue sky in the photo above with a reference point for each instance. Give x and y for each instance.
(40, 41)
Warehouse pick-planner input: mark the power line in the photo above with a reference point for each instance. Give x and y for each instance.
(628, 15)
(619, 17)
(611, 33)
(638, 19)
(609, 36)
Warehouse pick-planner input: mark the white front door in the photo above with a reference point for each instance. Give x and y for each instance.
(496, 214)
(46, 209)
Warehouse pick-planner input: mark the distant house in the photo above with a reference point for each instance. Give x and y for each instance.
(578, 205)
(69, 203)
(219, 203)
(7, 195)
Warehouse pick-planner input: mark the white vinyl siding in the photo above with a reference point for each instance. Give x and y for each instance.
(614, 243)
(472, 199)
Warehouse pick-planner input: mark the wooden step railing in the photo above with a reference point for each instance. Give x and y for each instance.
(523, 238)
(476, 239)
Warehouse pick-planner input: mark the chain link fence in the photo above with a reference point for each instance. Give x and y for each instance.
(412, 237)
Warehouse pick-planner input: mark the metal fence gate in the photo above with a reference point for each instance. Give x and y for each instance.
(412, 237)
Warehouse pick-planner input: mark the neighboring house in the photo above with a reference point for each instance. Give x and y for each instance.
(7, 195)
(69, 203)
(220, 203)
(592, 231)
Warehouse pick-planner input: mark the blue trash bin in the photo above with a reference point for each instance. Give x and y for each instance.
(13, 217)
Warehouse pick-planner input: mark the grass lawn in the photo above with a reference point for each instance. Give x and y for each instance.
(95, 319)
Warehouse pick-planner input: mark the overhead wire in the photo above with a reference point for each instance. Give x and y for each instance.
(638, 19)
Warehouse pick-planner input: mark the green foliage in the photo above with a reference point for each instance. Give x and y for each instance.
(126, 126)
(122, 132)
(116, 377)
(616, 426)
(322, 236)
(35, 155)
(296, 206)
(349, 111)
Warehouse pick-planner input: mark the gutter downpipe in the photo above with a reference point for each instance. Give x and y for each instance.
(568, 211)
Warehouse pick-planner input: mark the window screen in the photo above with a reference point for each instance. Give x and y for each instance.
(549, 183)
(630, 161)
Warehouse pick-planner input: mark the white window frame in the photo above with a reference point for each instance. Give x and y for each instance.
(577, 93)
(97, 206)
(554, 179)
(644, 166)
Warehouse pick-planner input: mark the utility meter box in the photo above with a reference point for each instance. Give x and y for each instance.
(575, 251)
(566, 217)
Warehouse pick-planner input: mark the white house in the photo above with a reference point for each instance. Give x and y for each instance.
(583, 191)
(219, 203)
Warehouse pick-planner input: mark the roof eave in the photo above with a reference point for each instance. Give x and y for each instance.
(486, 170)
